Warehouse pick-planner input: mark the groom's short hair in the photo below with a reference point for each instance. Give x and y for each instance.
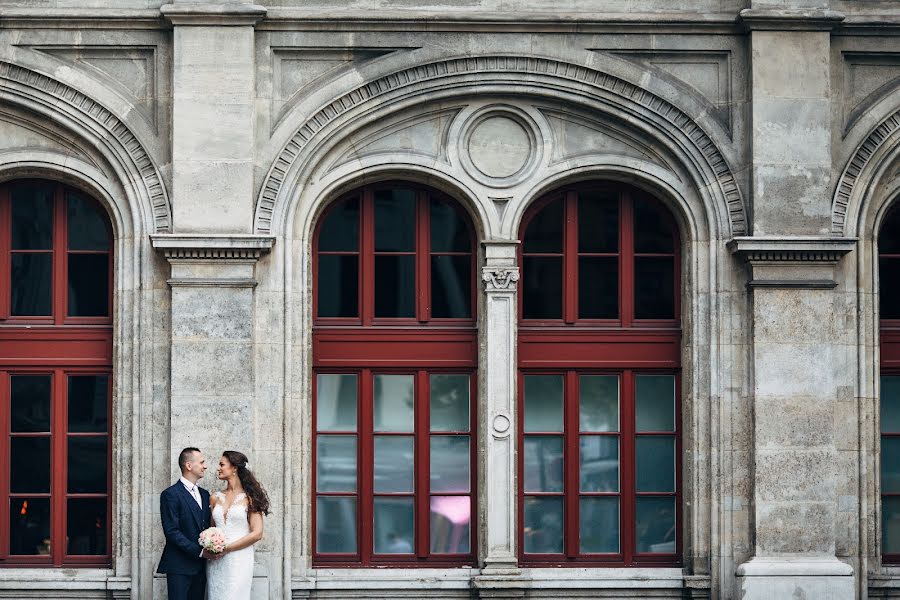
(185, 457)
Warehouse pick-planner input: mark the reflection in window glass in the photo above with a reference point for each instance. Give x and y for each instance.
(29, 526)
(30, 403)
(543, 402)
(395, 220)
(86, 528)
(543, 521)
(545, 230)
(655, 524)
(336, 402)
(541, 286)
(599, 524)
(451, 286)
(336, 463)
(88, 285)
(32, 216)
(394, 402)
(31, 284)
(338, 285)
(339, 231)
(395, 286)
(335, 524)
(87, 229)
(394, 525)
(449, 409)
(655, 402)
(450, 464)
(451, 517)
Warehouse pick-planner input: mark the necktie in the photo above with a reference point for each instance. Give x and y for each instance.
(196, 495)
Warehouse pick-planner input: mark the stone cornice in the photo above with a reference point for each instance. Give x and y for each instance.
(793, 249)
(227, 15)
(755, 19)
(212, 247)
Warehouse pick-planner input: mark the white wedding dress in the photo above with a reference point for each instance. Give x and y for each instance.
(230, 577)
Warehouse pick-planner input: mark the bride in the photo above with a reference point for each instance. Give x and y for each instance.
(238, 512)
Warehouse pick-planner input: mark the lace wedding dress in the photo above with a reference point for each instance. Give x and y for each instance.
(229, 577)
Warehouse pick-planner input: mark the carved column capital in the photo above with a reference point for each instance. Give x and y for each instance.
(500, 279)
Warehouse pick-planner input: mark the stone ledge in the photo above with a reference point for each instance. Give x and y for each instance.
(756, 19)
(794, 567)
(212, 246)
(227, 15)
(792, 249)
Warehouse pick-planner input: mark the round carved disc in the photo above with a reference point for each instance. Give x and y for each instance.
(499, 147)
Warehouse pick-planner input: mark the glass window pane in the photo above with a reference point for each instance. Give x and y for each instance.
(451, 517)
(336, 463)
(653, 231)
(449, 402)
(87, 223)
(87, 465)
(338, 285)
(599, 463)
(86, 526)
(29, 526)
(88, 285)
(890, 464)
(395, 286)
(598, 399)
(88, 403)
(598, 222)
(395, 220)
(340, 228)
(599, 525)
(890, 404)
(32, 216)
(394, 460)
(335, 524)
(543, 463)
(29, 465)
(598, 287)
(655, 402)
(450, 463)
(394, 403)
(890, 525)
(31, 284)
(394, 526)
(889, 236)
(655, 525)
(543, 402)
(543, 520)
(545, 230)
(449, 232)
(655, 463)
(541, 287)
(654, 288)
(451, 287)
(30, 403)
(889, 287)
(336, 402)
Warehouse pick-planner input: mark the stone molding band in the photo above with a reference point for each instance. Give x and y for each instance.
(796, 249)
(212, 247)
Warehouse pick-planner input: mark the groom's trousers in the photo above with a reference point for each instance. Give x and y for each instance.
(187, 587)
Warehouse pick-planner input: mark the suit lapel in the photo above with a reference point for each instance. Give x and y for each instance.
(192, 505)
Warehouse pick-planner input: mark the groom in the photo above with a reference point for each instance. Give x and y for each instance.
(184, 508)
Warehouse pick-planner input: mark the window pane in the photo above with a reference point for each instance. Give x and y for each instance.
(598, 222)
(655, 463)
(335, 524)
(890, 525)
(654, 288)
(543, 402)
(88, 285)
(395, 220)
(541, 288)
(87, 465)
(338, 285)
(598, 288)
(340, 228)
(31, 284)
(29, 465)
(890, 464)
(889, 236)
(336, 463)
(451, 517)
(599, 524)
(652, 228)
(889, 287)
(394, 403)
(394, 526)
(88, 403)
(545, 230)
(450, 463)
(449, 402)
(599, 463)
(32, 216)
(448, 229)
(451, 287)
(86, 526)
(890, 404)
(655, 402)
(655, 525)
(543, 520)
(395, 286)
(598, 397)
(336, 402)
(543, 463)
(29, 526)
(30, 403)
(86, 223)
(394, 460)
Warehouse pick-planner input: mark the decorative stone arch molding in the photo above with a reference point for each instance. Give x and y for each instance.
(642, 106)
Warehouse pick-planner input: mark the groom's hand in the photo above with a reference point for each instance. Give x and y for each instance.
(211, 555)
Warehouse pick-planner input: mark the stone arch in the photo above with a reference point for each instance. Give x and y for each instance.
(711, 171)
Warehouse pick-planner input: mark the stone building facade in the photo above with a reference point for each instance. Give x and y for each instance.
(216, 135)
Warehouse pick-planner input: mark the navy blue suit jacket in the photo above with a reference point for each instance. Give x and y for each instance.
(182, 522)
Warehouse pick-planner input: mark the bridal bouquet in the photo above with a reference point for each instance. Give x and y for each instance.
(212, 540)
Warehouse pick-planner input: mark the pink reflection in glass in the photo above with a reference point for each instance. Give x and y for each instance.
(450, 518)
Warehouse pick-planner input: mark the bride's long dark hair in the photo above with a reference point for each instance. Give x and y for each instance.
(257, 498)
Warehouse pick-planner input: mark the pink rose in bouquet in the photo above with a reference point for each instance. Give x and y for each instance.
(212, 540)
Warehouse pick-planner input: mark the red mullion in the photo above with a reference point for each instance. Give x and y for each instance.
(571, 460)
(6, 466)
(366, 286)
(365, 467)
(59, 291)
(423, 259)
(570, 258)
(58, 467)
(626, 260)
(422, 465)
(626, 468)
(5, 256)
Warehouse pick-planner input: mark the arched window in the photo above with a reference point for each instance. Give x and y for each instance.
(889, 401)
(55, 375)
(394, 356)
(599, 401)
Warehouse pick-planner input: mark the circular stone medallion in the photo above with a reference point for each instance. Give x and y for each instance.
(499, 147)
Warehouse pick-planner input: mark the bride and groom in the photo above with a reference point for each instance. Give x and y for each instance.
(187, 509)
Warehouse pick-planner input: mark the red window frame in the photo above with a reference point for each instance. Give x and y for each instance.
(624, 346)
(366, 346)
(57, 345)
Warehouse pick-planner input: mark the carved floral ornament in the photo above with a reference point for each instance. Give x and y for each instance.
(500, 279)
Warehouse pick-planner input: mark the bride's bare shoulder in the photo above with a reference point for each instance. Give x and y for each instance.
(213, 499)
